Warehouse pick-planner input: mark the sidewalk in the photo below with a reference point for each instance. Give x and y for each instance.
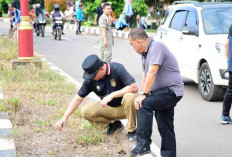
(95, 30)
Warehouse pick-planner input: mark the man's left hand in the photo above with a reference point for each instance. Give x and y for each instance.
(138, 101)
(106, 100)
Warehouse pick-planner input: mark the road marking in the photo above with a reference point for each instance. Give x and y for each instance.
(5, 124)
(97, 47)
(154, 148)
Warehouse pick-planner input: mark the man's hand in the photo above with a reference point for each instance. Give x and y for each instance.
(105, 43)
(95, 23)
(60, 124)
(138, 101)
(106, 100)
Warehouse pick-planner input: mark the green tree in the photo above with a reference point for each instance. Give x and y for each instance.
(4, 5)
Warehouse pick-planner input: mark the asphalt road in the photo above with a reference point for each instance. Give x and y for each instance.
(198, 131)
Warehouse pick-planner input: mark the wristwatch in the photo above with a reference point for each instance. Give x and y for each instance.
(142, 93)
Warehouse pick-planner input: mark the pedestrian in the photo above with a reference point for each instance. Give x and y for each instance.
(140, 22)
(99, 13)
(121, 23)
(77, 5)
(162, 87)
(106, 39)
(225, 118)
(79, 19)
(128, 11)
(116, 88)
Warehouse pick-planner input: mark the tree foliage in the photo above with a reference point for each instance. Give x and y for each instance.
(49, 4)
(4, 5)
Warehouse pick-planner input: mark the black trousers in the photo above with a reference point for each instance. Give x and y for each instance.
(228, 97)
(162, 102)
(129, 20)
(79, 26)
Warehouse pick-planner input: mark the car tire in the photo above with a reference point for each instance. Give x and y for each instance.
(208, 90)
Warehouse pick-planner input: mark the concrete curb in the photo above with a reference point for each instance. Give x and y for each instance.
(4, 20)
(7, 145)
(154, 149)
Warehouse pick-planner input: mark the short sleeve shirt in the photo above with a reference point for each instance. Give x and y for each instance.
(168, 75)
(99, 13)
(116, 78)
(105, 22)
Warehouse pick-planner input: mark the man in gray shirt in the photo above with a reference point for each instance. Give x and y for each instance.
(162, 87)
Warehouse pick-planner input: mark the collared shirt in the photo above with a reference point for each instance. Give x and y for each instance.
(168, 75)
(105, 22)
(116, 78)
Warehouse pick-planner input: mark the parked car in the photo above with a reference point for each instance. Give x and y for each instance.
(196, 33)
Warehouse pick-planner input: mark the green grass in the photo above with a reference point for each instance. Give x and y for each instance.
(2, 106)
(151, 30)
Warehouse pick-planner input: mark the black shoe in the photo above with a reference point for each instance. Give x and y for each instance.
(63, 33)
(77, 33)
(137, 151)
(117, 125)
(132, 136)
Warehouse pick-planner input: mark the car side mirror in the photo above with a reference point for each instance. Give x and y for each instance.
(190, 31)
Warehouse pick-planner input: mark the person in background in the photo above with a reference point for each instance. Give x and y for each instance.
(121, 23)
(79, 19)
(225, 118)
(56, 13)
(128, 11)
(33, 12)
(106, 39)
(99, 13)
(140, 22)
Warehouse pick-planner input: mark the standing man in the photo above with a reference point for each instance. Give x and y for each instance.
(162, 87)
(99, 13)
(225, 118)
(128, 11)
(116, 88)
(106, 39)
(79, 19)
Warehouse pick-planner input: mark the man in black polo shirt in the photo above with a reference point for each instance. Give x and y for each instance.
(99, 13)
(116, 88)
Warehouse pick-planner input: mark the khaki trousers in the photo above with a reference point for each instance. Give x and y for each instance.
(106, 53)
(101, 117)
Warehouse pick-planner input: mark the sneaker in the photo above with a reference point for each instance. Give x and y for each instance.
(132, 136)
(140, 151)
(117, 125)
(225, 120)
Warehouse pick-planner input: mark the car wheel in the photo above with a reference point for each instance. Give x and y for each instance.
(208, 90)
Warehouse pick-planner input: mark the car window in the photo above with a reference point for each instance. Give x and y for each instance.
(167, 15)
(217, 20)
(191, 21)
(178, 21)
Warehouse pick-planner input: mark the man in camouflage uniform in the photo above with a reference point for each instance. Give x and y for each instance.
(106, 39)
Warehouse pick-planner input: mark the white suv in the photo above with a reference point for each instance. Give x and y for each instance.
(196, 34)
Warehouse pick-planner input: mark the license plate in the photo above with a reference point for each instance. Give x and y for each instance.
(58, 21)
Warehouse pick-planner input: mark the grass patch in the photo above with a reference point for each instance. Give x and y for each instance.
(2, 106)
(151, 30)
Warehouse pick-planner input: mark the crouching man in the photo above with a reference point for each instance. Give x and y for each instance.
(117, 90)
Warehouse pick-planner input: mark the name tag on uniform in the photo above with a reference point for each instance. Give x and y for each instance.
(113, 82)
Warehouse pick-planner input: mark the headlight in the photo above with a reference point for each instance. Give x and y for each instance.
(221, 49)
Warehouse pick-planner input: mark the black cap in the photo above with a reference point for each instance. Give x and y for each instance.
(90, 65)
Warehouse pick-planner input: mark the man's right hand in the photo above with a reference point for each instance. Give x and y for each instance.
(95, 23)
(60, 124)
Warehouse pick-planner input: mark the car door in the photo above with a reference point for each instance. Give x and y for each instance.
(174, 35)
(190, 46)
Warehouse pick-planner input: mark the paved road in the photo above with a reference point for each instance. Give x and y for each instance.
(198, 131)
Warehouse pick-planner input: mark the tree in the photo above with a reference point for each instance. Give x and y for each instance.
(4, 5)
(49, 4)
